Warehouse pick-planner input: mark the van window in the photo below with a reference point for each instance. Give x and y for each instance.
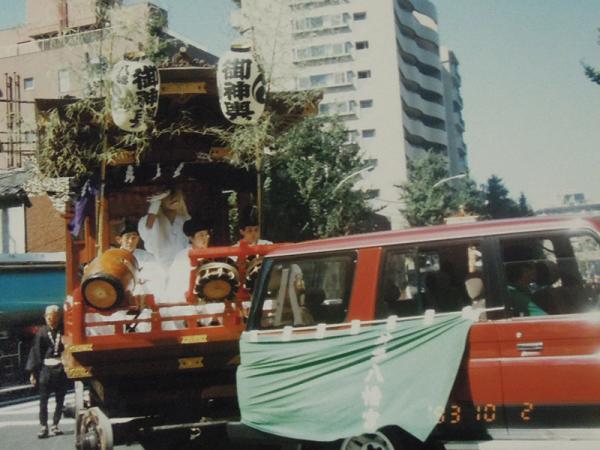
(442, 278)
(554, 274)
(306, 290)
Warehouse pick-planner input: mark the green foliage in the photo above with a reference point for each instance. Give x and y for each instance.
(247, 142)
(233, 217)
(499, 205)
(156, 44)
(524, 208)
(428, 203)
(305, 199)
(592, 74)
(74, 140)
(69, 142)
(303, 159)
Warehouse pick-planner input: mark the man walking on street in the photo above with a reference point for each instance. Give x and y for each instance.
(47, 372)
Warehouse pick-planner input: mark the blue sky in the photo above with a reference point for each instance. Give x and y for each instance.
(531, 116)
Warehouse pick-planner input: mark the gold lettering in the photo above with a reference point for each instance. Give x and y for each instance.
(195, 339)
(80, 348)
(191, 363)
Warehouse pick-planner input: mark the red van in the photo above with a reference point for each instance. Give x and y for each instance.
(531, 368)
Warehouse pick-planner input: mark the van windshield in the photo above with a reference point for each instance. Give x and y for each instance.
(302, 291)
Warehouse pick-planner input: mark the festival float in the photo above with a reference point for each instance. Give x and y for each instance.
(169, 366)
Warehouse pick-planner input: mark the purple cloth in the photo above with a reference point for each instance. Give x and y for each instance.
(84, 207)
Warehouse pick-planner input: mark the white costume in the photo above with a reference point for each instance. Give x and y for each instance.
(178, 278)
(178, 282)
(164, 239)
(150, 276)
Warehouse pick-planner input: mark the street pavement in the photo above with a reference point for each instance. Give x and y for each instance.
(19, 427)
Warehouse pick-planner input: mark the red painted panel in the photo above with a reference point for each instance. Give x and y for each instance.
(364, 290)
(565, 369)
(481, 383)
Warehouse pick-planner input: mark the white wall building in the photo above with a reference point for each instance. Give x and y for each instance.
(380, 67)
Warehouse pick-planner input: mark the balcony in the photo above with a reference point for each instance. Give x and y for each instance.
(419, 129)
(337, 52)
(415, 101)
(407, 19)
(327, 80)
(345, 109)
(321, 24)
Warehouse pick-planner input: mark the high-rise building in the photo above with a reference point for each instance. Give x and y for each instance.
(381, 68)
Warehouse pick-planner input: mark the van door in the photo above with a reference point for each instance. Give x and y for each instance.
(440, 276)
(550, 347)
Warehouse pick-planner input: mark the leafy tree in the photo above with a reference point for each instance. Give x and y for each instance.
(304, 197)
(524, 208)
(468, 197)
(429, 203)
(425, 204)
(499, 204)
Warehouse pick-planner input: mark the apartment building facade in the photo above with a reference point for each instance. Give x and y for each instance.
(381, 68)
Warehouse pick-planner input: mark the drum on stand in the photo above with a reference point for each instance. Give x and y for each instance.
(108, 277)
(217, 281)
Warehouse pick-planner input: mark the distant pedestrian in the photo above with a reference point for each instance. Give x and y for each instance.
(47, 371)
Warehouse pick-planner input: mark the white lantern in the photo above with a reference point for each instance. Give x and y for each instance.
(241, 86)
(135, 88)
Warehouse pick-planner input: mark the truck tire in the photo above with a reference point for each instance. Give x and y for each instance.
(387, 438)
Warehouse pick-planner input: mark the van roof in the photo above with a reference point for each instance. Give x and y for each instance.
(441, 232)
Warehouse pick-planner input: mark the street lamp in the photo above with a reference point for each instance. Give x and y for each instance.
(352, 175)
(445, 180)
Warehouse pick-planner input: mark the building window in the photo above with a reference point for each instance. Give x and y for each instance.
(368, 133)
(360, 16)
(28, 84)
(351, 136)
(321, 23)
(64, 81)
(325, 51)
(364, 74)
(362, 45)
(366, 103)
(342, 108)
(325, 80)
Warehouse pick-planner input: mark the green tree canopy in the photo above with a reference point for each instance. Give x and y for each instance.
(428, 202)
(304, 198)
(524, 208)
(499, 205)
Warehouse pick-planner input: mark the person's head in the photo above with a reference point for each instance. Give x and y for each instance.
(198, 232)
(520, 274)
(250, 234)
(175, 202)
(128, 238)
(249, 229)
(52, 316)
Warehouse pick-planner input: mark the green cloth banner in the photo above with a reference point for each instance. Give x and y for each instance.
(345, 384)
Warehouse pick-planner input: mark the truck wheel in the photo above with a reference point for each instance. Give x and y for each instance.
(94, 430)
(388, 438)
